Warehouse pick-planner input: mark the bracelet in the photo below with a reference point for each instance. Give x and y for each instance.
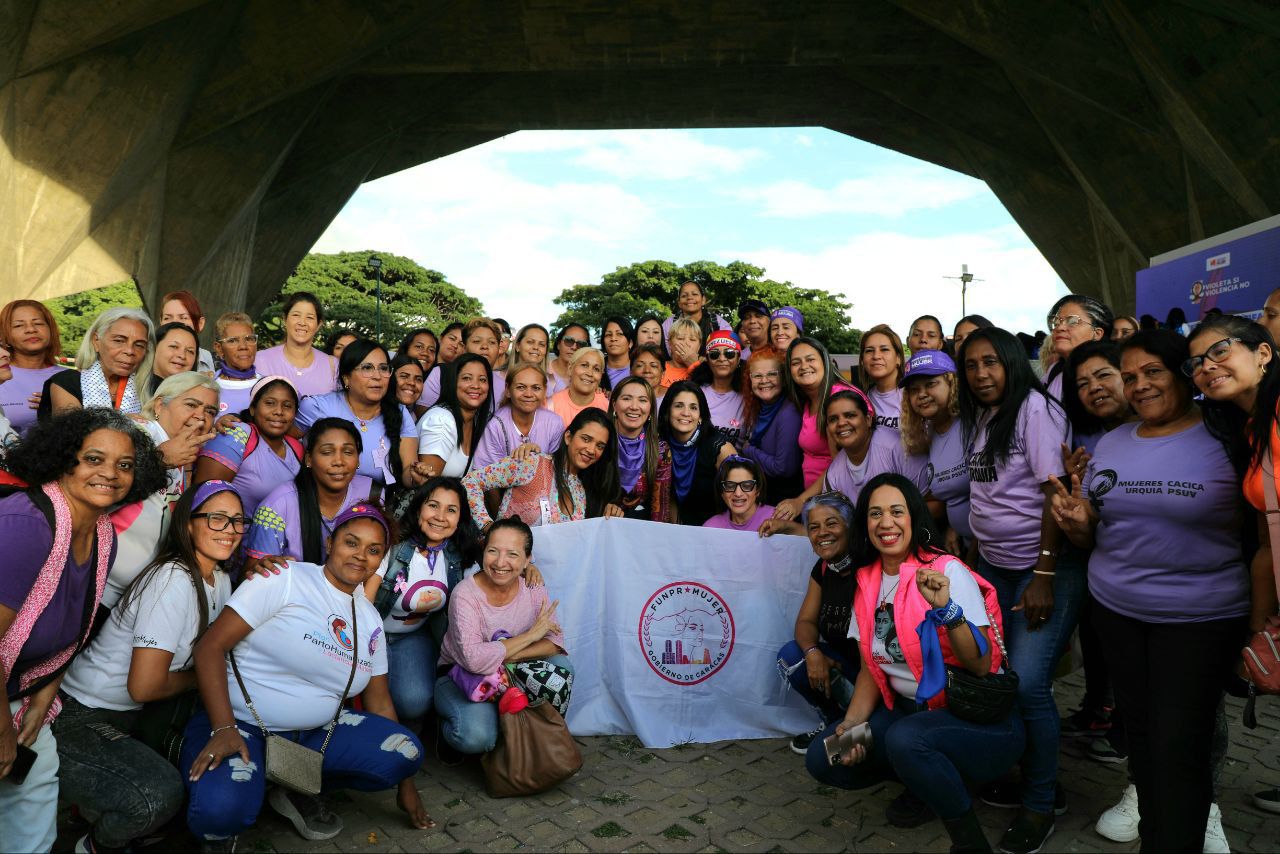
(1047, 553)
(1046, 572)
(948, 613)
(214, 732)
(811, 649)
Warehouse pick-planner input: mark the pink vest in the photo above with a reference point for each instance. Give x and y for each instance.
(909, 607)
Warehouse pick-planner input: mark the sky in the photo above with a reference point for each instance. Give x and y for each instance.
(515, 221)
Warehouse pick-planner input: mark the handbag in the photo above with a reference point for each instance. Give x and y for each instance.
(985, 699)
(290, 764)
(536, 752)
(1261, 655)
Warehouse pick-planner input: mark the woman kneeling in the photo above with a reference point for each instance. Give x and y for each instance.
(294, 635)
(906, 633)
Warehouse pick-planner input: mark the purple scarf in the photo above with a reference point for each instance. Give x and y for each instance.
(630, 460)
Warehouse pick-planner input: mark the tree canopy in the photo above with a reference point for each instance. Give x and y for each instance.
(412, 296)
(75, 313)
(652, 287)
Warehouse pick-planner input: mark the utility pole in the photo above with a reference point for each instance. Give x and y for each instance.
(376, 263)
(965, 278)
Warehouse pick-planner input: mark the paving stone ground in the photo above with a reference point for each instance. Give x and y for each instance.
(751, 796)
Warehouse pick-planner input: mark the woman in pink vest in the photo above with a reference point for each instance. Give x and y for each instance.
(916, 611)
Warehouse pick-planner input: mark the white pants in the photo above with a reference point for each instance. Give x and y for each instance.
(29, 813)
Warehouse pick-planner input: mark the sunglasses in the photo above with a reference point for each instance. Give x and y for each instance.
(732, 486)
(574, 342)
(722, 353)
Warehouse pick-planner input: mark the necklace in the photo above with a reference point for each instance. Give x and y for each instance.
(884, 600)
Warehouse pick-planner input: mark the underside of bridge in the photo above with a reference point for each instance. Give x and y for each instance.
(207, 145)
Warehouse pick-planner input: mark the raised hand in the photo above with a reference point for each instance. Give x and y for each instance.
(934, 586)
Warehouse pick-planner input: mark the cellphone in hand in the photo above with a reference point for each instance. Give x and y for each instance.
(21, 765)
(837, 746)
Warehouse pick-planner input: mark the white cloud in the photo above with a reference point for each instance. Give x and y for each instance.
(891, 193)
(654, 155)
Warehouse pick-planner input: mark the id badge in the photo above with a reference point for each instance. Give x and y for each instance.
(380, 461)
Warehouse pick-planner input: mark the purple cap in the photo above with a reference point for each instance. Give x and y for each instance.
(210, 488)
(792, 314)
(927, 363)
(362, 510)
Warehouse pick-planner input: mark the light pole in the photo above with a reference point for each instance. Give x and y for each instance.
(376, 263)
(965, 278)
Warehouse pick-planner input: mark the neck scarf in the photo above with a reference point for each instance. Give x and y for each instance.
(764, 419)
(630, 460)
(225, 370)
(96, 391)
(684, 459)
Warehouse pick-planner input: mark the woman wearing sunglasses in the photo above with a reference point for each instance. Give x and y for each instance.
(722, 378)
(567, 342)
(741, 484)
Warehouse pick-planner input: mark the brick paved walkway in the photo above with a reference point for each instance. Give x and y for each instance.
(747, 796)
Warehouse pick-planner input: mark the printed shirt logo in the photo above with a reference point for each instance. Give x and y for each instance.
(686, 632)
(338, 627)
(373, 640)
(1102, 483)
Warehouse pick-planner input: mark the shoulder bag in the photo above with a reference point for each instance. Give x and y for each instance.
(535, 753)
(985, 699)
(290, 764)
(1261, 655)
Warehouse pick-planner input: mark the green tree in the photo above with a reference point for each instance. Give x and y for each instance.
(412, 296)
(652, 287)
(76, 313)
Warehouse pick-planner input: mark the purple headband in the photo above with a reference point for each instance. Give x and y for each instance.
(362, 510)
(792, 314)
(838, 387)
(266, 381)
(210, 488)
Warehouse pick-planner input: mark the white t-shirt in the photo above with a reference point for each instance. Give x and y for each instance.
(297, 659)
(424, 591)
(162, 615)
(438, 435)
(885, 648)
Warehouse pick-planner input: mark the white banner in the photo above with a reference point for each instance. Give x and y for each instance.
(673, 631)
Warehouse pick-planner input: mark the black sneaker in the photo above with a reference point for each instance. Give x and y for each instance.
(1087, 723)
(1059, 799)
(1004, 794)
(1267, 799)
(1102, 750)
(800, 743)
(907, 810)
(1028, 833)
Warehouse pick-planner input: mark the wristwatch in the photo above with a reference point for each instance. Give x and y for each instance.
(956, 623)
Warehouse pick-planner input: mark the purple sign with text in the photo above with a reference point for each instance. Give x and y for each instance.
(1233, 275)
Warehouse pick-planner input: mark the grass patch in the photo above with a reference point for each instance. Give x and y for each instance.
(613, 799)
(676, 833)
(453, 803)
(610, 830)
(827, 822)
(628, 748)
(697, 819)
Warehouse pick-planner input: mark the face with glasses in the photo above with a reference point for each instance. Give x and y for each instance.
(175, 353)
(369, 381)
(723, 361)
(765, 376)
(1224, 368)
(741, 493)
(217, 528)
(573, 338)
(1071, 327)
(238, 346)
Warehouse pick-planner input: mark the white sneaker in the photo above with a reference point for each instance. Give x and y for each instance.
(1215, 838)
(1120, 823)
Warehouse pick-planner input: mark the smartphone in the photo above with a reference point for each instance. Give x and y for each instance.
(837, 746)
(21, 765)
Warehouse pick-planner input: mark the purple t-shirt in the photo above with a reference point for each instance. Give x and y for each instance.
(501, 436)
(27, 543)
(320, 378)
(277, 526)
(885, 454)
(257, 474)
(947, 476)
(234, 395)
(1168, 544)
(431, 389)
(373, 435)
(14, 394)
(722, 520)
(888, 406)
(1005, 501)
(617, 375)
(726, 412)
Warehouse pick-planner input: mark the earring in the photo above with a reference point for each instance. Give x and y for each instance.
(928, 536)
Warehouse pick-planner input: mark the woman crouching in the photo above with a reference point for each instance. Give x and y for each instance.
(917, 611)
(293, 637)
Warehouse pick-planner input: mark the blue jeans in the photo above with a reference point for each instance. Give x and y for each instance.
(933, 753)
(29, 813)
(367, 753)
(467, 726)
(411, 672)
(791, 663)
(1035, 655)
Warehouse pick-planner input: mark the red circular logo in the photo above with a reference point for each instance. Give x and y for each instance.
(686, 632)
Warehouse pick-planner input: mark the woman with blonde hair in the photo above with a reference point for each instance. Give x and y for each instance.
(586, 369)
(931, 428)
(684, 345)
(117, 349)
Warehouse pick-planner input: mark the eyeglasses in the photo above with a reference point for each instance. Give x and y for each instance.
(368, 369)
(767, 375)
(732, 486)
(722, 353)
(235, 341)
(574, 342)
(1216, 353)
(220, 521)
(1071, 321)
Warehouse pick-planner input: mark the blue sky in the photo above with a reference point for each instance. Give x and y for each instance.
(515, 221)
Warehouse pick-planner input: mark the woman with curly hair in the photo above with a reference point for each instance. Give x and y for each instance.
(59, 547)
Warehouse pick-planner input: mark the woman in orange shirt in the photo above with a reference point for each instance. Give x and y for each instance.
(585, 370)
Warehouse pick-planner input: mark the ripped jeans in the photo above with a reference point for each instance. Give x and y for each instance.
(367, 752)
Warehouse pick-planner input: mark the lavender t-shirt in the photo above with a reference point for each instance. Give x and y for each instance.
(501, 436)
(1168, 541)
(947, 476)
(277, 525)
(888, 406)
(373, 435)
(257, 474)
(319, 378)
(726, 412)
(14, 394)
(722, 520)
(885, 454)
(1006, 504)
(617, 375)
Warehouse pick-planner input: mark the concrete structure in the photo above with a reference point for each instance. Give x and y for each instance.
(207, 145)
